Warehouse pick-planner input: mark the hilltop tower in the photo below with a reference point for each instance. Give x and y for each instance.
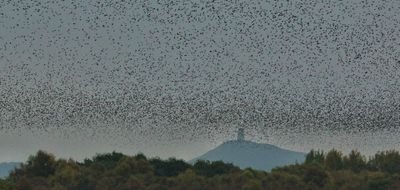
(240, 135)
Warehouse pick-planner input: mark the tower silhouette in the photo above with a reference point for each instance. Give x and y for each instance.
(240, 135)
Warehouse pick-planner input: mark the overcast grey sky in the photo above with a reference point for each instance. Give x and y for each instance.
(176, 78)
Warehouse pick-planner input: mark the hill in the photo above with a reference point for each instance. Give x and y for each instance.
(6, 168)
(250, 154)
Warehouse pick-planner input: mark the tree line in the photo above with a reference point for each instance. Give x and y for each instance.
(115, 171)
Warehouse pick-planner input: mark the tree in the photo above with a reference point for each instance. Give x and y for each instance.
(378, 181)
(387, 161)
(171, 167)
(42, 165)
(333, 160)
(107, 161)
(284, 181)
(131, 183)
(118, 171)
(347, 179)
(315, 157)
(131, 166)
(355, 161)
(68, 175)
(5, 185)
(209, 169)
(189, 180)
(315, 176)
(23, 184)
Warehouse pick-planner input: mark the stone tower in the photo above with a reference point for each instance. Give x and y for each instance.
(240, 135)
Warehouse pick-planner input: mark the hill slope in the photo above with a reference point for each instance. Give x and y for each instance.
(249, 154)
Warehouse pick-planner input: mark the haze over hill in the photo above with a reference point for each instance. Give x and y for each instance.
(7, 167)
(177, 77)
(247, 154)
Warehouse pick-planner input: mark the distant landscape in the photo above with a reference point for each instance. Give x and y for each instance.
(199, 95)
(320, 170)
(6, 167)
(247, 154)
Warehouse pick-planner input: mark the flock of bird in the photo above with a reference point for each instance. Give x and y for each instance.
(189, 69)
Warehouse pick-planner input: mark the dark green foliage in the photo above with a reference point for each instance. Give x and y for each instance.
(315, 176)
(171, 167)
(284, 181)
(334, 160)
(107, 161)
(6, 185)
(387, 161)
(41, 165)
(209, 169)
(115, 171)
(315, 157)
(140, 156)
(355, 161)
